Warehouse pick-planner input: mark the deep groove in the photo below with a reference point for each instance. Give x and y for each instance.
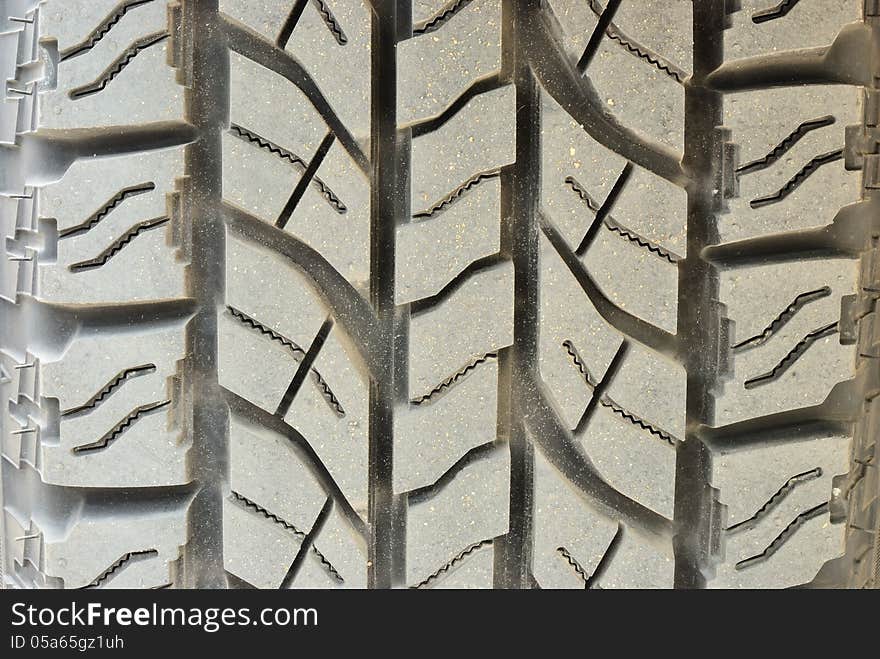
(304, 367)
(330, 21)
(203, 230)
(247, 503)
(250, 136)
(595, 41)
(118, 245)
(579, 363)
(114, 433)
(308, 544)
(290, 23)
(425, 492)
(785, 145)
(783, 537)
(300, 189)
(474, 268)
(120, 564)
(605, 209)
(452, 380)
(616, 227)
(390, 164)
(696, 511)
(782, 319)
(607, 558)
(482, 85)
(639, 50)
(775, 500)
(794, 354)
(455, 560)
(118, 65)
(440, 18)
(636, 420)
(108, 389)
(101, 30)
(520, 242)
(298, 354)
(797, 180)
(456, 194)
(609, 403)
(577, 567)
(772, 13)
(106, 209)
(601, 386)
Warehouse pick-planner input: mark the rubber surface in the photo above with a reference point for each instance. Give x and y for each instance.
(487, 293)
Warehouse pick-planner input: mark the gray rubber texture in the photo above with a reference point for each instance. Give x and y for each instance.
(466, 294)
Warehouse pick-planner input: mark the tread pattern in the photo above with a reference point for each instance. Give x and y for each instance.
(118, 66)
(105, 391)
(298, 354)
(440, 18)
(775, 500)
(793, 355)
(639, 50)
(119, 244)
(101, 30)
(457, 194)
(101, 214)
(615, 227)
(784, 536)
(119, 429)
(124, 561)
(498, 463)
(786, 145)
(255, 507)
(292, 158)
(797, 180)
(453, 562)
(777, 11)
(783, 318)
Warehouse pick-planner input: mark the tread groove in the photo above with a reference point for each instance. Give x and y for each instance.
(298, 354)
(439, 19)
(458, 193)
(272, 517)
(608, 403)
(111, 204)
(121, 378)
(453, 562)
(640, 50)
(783, 318)
(776, 499)
(118, 245)
(101, 30)
(119, 429)
(248, 135)
(300, 189)
(793, 355)
(118, 65)
(118, 565)
(607, 558)
(452, 380)
(798, 179)
(577, 567)
(784, 536)
(772, 13)
(598, 35)
(785, 145)
(616, 227)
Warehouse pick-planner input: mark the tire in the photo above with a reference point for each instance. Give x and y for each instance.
(491, 293)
